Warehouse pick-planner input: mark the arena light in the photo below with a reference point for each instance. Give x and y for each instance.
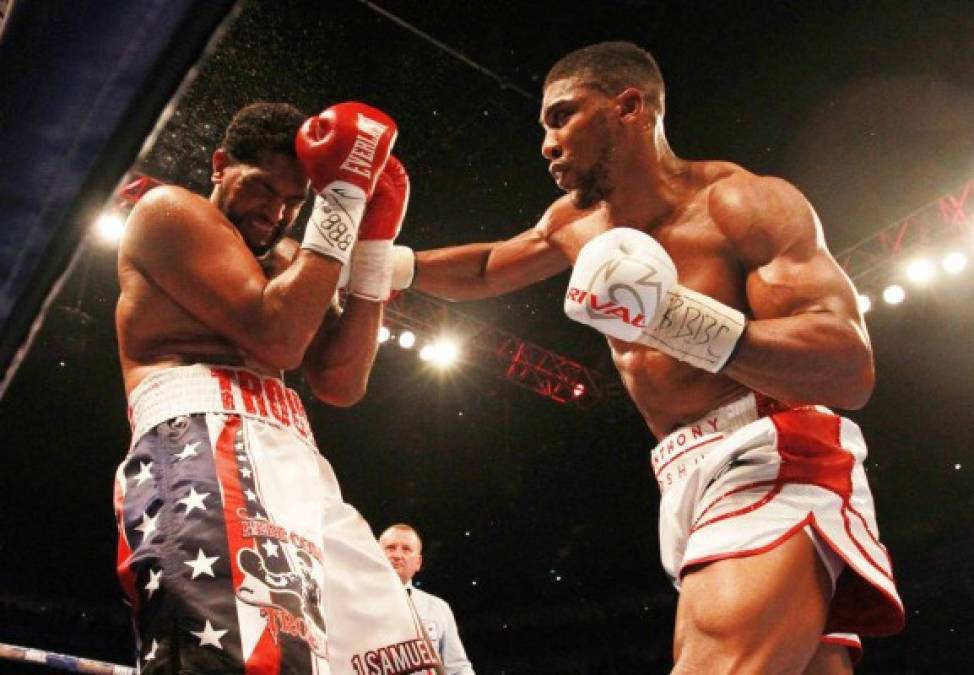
(865, 302)
(110, 226)
(578, 390)
(921, 271)
(384, 334)
(954, 262)
(407, 339)
(894, 294)
(445, 352)
(426, 353)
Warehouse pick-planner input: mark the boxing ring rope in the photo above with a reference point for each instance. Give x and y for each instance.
(74, 664)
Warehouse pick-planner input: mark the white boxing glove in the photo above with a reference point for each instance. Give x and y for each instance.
(624, 285)
(620, 280)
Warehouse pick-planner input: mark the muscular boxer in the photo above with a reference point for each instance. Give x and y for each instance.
(732, 327)
(236, 548)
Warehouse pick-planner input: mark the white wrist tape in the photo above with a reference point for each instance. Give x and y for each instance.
(695, 328)
(371, 274)
(333, 225)
(403, 267)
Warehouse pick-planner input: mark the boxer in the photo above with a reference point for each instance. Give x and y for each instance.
(236, 548)
(733, 328)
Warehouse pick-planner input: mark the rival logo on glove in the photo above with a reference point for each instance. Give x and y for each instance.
(612, 307)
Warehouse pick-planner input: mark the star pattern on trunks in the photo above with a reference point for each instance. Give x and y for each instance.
(189, 450)
(209, 635)
(270, 548)
(144, 474)
(194, 500)
(154, 577)
(202, 564)
(250, 495)
(147, 526)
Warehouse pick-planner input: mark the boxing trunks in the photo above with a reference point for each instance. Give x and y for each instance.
(235, 547)
(750, 474)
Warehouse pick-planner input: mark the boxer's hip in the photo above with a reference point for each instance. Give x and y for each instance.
(203, 388)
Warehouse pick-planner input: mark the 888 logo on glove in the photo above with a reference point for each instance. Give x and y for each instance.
(333, 222)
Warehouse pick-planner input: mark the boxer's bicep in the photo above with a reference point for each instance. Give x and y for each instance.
(523, 260)
(473, 271)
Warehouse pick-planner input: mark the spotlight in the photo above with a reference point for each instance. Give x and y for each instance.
(894, 294)
(920, 271)
(954, 262)
(578, 390)
(407, 339)
(426, 353)
(865, 302)
(445, 352)
(384, 334)
(110, 226)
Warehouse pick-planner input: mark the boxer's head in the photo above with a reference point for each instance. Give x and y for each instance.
(260, 186)
(404, 549)
(598, 101)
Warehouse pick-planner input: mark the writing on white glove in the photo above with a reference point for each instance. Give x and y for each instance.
(624, 285)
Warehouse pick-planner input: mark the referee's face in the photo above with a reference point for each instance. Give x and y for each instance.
(402, 548)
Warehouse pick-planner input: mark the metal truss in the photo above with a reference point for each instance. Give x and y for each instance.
(942, 219)
(504, 354)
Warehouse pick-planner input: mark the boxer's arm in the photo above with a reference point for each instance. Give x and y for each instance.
(807, 342)
(340, 358)
(185, 246)
(474, 271)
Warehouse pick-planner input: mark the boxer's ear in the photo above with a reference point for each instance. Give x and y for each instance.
(219, 162)
(630, 102)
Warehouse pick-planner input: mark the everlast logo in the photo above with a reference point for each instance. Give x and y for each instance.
(398, 659)
(362, 155)
(264, 396)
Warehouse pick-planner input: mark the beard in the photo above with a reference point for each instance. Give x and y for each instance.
(594, 185)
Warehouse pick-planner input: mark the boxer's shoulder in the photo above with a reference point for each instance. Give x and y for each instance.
(168, 216)
(560, 214)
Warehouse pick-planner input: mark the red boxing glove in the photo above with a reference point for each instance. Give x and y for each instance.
(372, 261)
(344, 151)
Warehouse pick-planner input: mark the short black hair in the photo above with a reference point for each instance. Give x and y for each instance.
(611, 67)
(262, 127)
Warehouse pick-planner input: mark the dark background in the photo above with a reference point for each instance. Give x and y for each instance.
(540, 519)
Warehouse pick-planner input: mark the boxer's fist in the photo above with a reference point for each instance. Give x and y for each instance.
(624, 285)
(372, 260)
(620, 280)
(343, 151)
(347, 142)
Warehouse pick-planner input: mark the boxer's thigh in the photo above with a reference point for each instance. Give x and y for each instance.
(761, 613)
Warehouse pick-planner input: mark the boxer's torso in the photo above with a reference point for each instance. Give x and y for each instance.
(155, 333)
(667, 392)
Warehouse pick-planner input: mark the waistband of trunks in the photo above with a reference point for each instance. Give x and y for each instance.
(201, 388)
(724, 419)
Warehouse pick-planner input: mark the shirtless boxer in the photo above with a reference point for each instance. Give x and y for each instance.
(236, 549)
(767, 524)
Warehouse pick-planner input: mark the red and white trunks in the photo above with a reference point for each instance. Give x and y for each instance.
(751, 473)
(235, 547)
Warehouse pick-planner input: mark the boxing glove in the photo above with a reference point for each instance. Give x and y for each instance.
(624, 285)
(343, 151)
(372, 260)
